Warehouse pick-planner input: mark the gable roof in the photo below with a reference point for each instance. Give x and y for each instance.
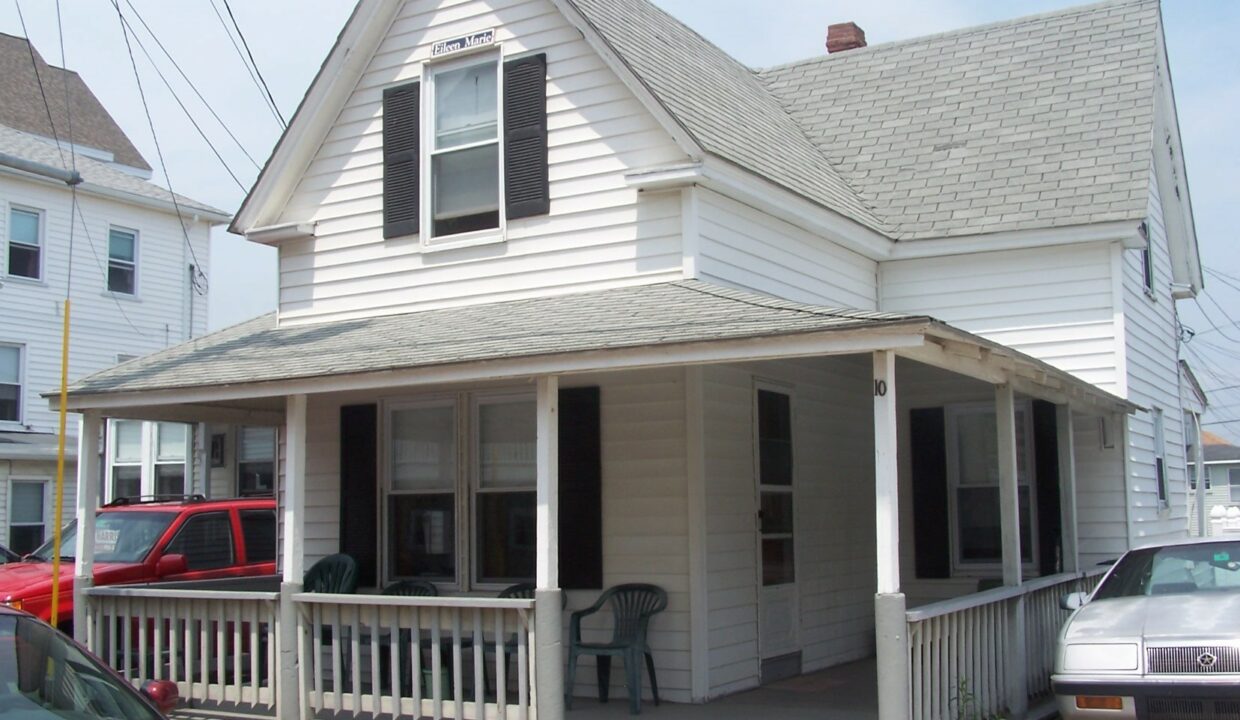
(22, 108)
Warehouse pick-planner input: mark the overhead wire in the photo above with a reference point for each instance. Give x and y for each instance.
(259, 73)
(224, 24)
(34, 63)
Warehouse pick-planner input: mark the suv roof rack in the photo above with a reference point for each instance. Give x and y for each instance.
(147, 499)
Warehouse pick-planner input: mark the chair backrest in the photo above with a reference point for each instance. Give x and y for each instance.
(332, 574)
(631, 605)
(412, 588)
(524, 591)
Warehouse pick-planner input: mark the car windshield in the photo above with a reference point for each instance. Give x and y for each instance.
(123, 537)
(45, 675)
(1175, 569)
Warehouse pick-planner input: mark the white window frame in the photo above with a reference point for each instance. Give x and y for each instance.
(47, 510)
(148, 461)
(1026, 476)
(137, 245)
(41, 241)
(21, 387)
(474, 433)
(426, 179)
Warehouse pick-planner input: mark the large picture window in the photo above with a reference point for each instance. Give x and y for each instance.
(973, 477)
(25, 243)
(463, 165)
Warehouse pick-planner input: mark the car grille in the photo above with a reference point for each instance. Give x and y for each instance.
(1188, 709)
(1193, 660)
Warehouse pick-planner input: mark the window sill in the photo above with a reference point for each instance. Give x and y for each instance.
(457, 242)
(23, 280)
(121, 296)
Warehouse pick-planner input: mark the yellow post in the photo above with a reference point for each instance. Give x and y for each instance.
(60, 470)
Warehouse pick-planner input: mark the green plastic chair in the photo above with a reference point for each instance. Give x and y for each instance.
(412, 588)
(632, 606)
(333, 574)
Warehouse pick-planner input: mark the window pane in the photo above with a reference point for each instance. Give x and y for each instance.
(257, 443)
(205, 540)
(24, 261)
(258, 528)
(776, 512)
(778, 567)
(422, 532)
(466, 106)
(171, 441)
(126, 481)
(774, 438)
(506, 442)
(256, 478)
(120, 278)
(27, 503)
(10, 402)
(466, 190)
(506, 534)
(424, 448)
(25, 539)
(981, 536)
(1233, 481)
(170, 479)
(127, 442)
(24, 227)
(10, 363)
(121, 245)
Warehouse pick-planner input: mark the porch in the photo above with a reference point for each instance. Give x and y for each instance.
(771, 488)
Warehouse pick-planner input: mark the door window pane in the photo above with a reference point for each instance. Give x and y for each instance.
(422, 536)
(506, 537)
(774, 438)
(776, 512)
(777, 561)
(424, 448)
(506, 444)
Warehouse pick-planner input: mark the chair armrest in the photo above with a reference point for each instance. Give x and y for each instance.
(574, 620)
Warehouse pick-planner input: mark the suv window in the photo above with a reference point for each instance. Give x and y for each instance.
(258, 530)
(205, 540)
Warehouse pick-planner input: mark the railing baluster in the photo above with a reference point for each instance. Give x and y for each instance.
(480, 651)
(355, 656)
(458, 675)
(523, 664)
(372, 617)
(415, 652)
(436, 665)
(501, 667)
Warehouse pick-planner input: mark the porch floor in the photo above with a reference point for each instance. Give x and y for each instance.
(844, 692)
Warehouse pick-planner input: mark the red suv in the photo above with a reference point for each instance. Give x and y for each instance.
(155, 540)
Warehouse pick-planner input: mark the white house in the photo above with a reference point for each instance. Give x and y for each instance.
(137, 285)
(569, 296)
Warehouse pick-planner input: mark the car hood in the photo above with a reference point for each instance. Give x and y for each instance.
(32, 579)
(1157, 618)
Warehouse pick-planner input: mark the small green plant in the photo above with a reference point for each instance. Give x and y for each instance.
(965, 703)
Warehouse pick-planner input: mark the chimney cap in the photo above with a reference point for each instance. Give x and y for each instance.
(844, 36)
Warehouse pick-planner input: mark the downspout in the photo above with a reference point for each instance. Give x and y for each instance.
(66, 176)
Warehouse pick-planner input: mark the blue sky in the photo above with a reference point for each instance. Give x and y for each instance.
(290, 38)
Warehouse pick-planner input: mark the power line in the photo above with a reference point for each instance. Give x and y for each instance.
(34, 63)
(146, 108)
(103, 271)
(224, 24)
(258, 72)
(189, 82)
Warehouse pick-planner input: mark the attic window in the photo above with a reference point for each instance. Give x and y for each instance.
(486, 161)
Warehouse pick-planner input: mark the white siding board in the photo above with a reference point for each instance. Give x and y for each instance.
(600, 233)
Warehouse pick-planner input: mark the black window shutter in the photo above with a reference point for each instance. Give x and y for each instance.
(1046, 464)
(359, 478)
(581, 490)
(526, 186)
(931, 529)
(401, 164)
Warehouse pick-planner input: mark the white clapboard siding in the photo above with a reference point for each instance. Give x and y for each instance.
(600, 233)
(101, 326)
(753, 250)
(833, 456)
(1101, 515)
(1153, 372)
(1054, 303)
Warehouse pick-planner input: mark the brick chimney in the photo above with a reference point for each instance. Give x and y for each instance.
(844, 36)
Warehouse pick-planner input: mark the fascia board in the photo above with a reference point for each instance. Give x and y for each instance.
(1123, 231)
(315, 116)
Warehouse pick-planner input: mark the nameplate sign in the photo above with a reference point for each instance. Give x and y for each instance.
(467, 42)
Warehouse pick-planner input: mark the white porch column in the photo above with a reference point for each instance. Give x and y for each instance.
(293, 555)
(1067, 487)
(1009, 519)
(549, 658)
(89, 427)
(890, 626)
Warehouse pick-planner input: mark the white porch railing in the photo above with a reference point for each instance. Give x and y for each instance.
(216, 646)
(960, 650)
(408, 656)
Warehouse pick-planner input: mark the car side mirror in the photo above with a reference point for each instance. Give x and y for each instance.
(162, 693)
(1073, 601)
(171, 565)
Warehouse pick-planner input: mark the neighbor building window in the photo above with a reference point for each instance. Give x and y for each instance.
(10, 383)
(1160, 458)
(463, 163)
(147, 458)
(25, 243)
(973, 473)
(122, 261)
(27, 519)
(256, 461)
(1233, 481)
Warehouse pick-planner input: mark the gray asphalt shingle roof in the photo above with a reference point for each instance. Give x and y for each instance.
(649, 315)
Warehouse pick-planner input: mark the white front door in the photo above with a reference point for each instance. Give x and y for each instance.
(778, 612)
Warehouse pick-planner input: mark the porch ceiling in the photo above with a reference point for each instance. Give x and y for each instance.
(677, 323)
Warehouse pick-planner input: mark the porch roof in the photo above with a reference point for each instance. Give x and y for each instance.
(669, 323)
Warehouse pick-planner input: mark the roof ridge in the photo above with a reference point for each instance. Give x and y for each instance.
(1010, 22)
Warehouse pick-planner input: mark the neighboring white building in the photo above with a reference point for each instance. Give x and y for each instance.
(898, 319)
(138, 285)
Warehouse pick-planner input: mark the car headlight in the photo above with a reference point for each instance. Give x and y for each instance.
(1098, 656)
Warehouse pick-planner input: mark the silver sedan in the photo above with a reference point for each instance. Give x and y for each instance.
(1158, 638)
